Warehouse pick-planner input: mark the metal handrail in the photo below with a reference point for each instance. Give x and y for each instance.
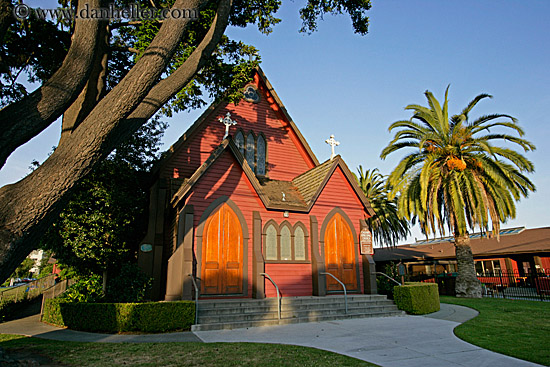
(278, 294)
(342, 284)
(387, 276)
(196, 298)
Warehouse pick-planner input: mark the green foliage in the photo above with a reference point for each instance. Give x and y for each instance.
(387, 226)
(85, 289)
(417, 298)
(455, 175)
(9, 309)
(383, 284)
(152, 317)
(34, 48)
(129, 285)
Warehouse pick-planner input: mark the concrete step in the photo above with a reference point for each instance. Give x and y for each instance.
(290, 301)
(283, 321)
(230, 309)
(258, 316)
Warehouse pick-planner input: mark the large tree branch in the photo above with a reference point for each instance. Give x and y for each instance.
(167, 88)
(92, 91)
(23, 120)
(28, 207)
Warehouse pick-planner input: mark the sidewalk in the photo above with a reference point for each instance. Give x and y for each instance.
(405, 341)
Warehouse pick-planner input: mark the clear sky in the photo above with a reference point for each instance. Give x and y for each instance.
(336, 82)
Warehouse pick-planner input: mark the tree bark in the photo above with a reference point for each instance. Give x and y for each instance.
(23, 120)
(467, 284)
(93, 90)
(28, 207)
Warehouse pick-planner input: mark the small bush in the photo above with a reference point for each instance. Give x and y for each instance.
(151, 317)
(417, 298)
(86, 289)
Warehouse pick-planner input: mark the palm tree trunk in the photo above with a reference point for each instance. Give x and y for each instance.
(467, 284)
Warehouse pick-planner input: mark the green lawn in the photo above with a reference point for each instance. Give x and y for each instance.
(171, 354)
(516, 328)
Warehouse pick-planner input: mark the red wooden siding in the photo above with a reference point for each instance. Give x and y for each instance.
(292, 279)
(338, 192)
(286, 157)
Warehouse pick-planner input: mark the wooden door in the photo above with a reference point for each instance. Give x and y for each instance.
(222, 253)
(340, 254)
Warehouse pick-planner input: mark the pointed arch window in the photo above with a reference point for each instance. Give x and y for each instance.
(286, 245)
(260, 162)
(299, 244)
(239, 141)
(250, 151)
(271, 243)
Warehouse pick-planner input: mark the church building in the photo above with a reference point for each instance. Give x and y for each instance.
(240, 203)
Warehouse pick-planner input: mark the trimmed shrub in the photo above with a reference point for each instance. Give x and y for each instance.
(417, 298)
(151, 317)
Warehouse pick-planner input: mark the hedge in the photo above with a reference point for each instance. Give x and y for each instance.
(417, 298)
(151, 317)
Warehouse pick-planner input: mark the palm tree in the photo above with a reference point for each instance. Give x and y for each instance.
(456, 178)
(387, 226)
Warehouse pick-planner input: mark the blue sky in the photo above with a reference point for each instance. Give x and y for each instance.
(336, 82)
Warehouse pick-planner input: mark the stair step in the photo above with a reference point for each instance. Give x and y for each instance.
(272, 307)
(225, 303)
(208, 319)
(283, 321)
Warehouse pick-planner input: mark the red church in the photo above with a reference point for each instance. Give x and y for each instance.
(241, 198)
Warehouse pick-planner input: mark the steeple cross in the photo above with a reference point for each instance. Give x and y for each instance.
(227, 122)
(333, 143)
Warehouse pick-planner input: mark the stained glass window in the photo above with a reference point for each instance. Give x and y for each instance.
(250, 150)
(299, 244)
(260, 164)
(239, 141)
(271, 243)
(286, 250)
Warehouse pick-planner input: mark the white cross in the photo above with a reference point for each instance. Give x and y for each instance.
(333, 143)
(227, 122)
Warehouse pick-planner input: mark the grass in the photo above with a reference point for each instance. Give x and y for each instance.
(171, 354)
(516, 328)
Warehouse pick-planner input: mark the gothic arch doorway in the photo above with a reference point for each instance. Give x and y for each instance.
(340, 259)
(222, 253)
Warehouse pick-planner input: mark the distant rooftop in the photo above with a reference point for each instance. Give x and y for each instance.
(503, 232)
(512, 241)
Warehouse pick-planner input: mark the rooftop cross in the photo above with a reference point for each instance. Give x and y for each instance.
(227, 122)
(333, 143)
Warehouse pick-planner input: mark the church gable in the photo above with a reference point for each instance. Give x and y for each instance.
(263, 132)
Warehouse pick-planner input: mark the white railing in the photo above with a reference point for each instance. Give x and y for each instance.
(343, 286)
(196, 298)
(278, 294)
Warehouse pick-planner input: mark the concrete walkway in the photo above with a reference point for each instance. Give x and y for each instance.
(387, 341)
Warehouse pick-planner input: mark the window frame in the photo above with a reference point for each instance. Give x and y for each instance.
(292, 229)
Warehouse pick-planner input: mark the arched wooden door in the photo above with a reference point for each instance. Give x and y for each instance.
(340, 254)
(222, 253)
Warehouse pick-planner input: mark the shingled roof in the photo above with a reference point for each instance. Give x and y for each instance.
(309, 182)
